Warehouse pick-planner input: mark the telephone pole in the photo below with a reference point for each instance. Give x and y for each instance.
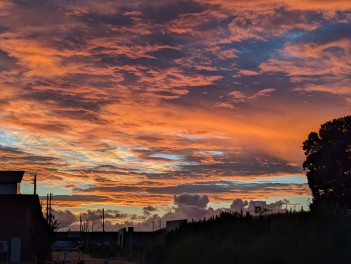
(50, 213)
(47, 208)
(103, 220)
(35, 184)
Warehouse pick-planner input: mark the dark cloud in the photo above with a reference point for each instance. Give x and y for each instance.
(165, 38)
(115, 19)
(64, 217)
(327, 33)
(51, 14)
(148, 210)
(189, 199)
(22, 158)
(225, 187)
(77, 198)
(247, 161)
(259, 207)
(96, 215)
(253, 52)
(75, 103)
(51, 126)
(238, 204)
(164, 12)
(167, 54)
(7, 63)
(117, 188)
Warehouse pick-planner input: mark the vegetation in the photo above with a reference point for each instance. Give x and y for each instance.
(328, 162)
(322, 236)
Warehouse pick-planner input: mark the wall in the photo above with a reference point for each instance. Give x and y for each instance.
(8, 188)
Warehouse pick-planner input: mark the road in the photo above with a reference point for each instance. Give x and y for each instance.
(73, 258)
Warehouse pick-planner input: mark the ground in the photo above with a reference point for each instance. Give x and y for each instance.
(73, 257)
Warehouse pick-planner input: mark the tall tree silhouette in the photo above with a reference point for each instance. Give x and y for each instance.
(328, 161)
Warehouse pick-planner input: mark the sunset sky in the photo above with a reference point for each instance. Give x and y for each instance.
(166, 106)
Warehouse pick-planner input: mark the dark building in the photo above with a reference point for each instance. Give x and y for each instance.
(24, 233)
(10, 182)
(77, 237)
(130, 239)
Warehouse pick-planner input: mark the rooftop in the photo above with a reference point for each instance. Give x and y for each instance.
(11, 176)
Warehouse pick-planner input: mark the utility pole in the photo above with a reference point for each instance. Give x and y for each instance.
(103, 220)
(80, 223)
(47, 208)
(130, 244)
(50, 203)
(35, 184)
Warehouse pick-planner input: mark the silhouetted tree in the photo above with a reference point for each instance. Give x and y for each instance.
(54, 224)
(328, 162)
(261, 211)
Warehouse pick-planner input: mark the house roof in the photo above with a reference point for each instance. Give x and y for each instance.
(11, 176)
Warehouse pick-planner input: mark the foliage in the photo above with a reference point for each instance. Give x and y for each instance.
(328, 162)
(294, 237)
(54, 224)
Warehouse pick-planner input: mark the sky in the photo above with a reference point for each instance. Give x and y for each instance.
(168, 108)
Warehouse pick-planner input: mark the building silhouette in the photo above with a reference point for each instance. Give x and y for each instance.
(24, 233)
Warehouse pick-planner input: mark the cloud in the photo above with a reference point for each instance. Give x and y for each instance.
(317, 64)
(258, 207)
(238, 204)
(240, 97)
(65, 217)
(96, 215)
(193, 200)
(148, 210)
(162, 13)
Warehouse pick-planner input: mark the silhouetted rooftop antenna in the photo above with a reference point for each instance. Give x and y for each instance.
(47, 208)
(50, 209)
(103, 220)
(35, 184)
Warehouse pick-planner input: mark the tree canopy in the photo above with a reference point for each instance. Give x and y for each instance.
(328, 162)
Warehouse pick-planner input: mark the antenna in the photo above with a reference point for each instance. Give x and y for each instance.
(35, 184)
(47, 208)
(50, 212)
(103, 220)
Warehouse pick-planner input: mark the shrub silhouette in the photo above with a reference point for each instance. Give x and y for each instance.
(293, 237)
